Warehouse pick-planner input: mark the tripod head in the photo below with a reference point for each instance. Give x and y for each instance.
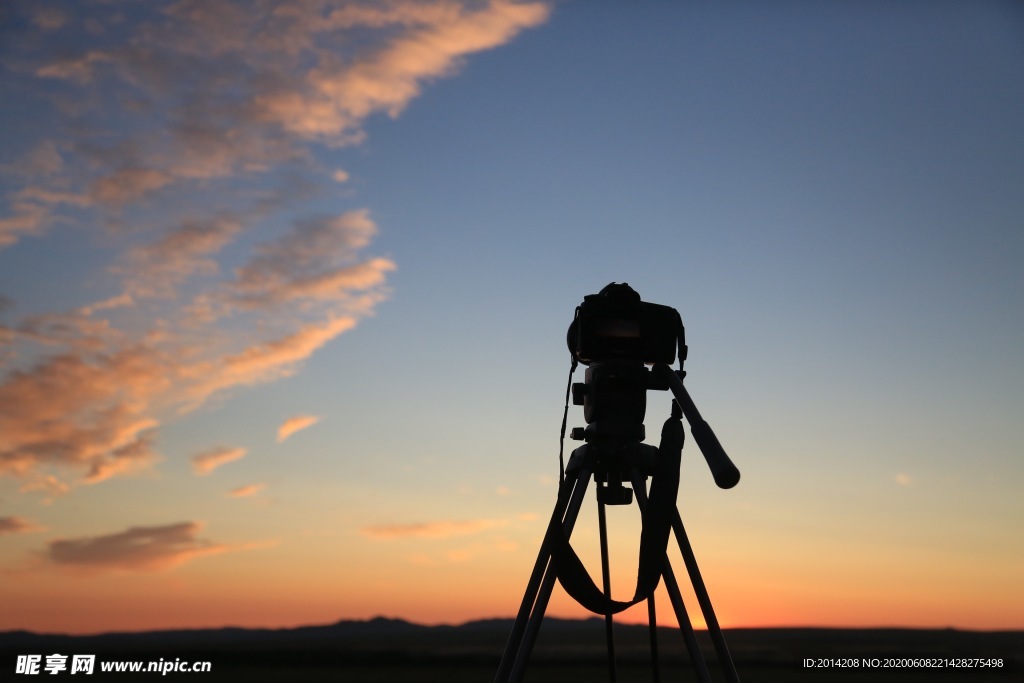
(617, 335)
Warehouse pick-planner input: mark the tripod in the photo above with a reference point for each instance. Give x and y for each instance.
(612, 456)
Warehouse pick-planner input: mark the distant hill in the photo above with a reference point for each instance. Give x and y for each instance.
(393, 644)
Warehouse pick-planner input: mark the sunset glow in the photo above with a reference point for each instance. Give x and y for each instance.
(284, 289)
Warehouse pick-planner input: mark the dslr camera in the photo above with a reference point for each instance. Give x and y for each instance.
(616, 335)
(616, 325)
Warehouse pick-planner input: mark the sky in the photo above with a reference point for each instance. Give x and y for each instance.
(284, 289)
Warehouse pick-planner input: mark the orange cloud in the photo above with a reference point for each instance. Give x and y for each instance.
(262, 362)
(67, 410)
(45, 483)
(316, 260)
(44, 196)
(137, 549)
(127, 184)
(85, 389)
(78, 69)
(207, 461)
(338, 94)
(27, 219)
(17, 525)
(309, 71)
(244, 491)
(294, 424)
(156, 269)
(94, 410)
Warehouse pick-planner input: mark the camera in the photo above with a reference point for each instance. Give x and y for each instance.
(616, 325)
(616, 335)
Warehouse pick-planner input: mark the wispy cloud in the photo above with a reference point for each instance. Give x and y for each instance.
(246, 491)
(136, 549)
(231, 88)
(263, 362)
(430, 41)
(22, 219)
(437, 529)
(207, 461)
(315, 261)
(17, 525)
(197, 134)
(47, 484)
(295, 424)
(182, 252)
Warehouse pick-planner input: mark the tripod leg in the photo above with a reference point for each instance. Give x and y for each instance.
(652, 625)
(533, 586)
(542, 582)
(607, 578)
(700, 667)
(685, 626)
(714, 630)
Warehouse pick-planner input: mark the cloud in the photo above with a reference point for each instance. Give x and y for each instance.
(157, 268)
(78, 69)
(227, 88)
(315, 261)
(137, 549)
(207, 461)
(17, 525)
(24, 219)
(125, 184)
(48, 18)
(44, 159)
(245, 491)
(45, 483)
(187, 144)
(295, 424)
(338, 94)
(439, 529)
(265, 361)
(86, 413)
(96, 410)
(117, 301)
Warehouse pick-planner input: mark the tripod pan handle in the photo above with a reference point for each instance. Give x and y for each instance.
(723, 470)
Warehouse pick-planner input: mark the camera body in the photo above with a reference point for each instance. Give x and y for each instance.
(616, 325)
(616, 335)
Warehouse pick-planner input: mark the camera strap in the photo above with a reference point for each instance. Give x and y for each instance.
(565, 419)
(656, 520)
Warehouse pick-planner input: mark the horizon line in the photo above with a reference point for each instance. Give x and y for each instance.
(231, 627)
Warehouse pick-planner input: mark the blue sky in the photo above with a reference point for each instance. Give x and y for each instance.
(830, 195)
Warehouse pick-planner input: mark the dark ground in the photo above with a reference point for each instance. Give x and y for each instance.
(384, 650)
